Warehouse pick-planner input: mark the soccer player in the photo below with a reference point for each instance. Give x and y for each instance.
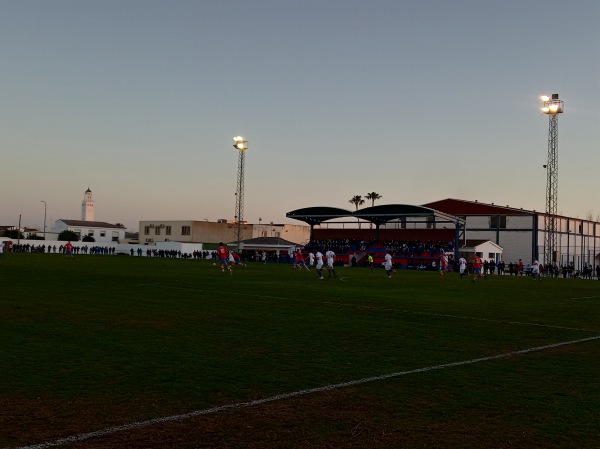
(300, 259)
(443, 262)
(330, 259)
(223, 256)
(319, 258)
(370, 261)
(68, 251)
(237, 260)
(477, 268)
(388, 265)
(462, 266)
(311, 260)
(535, 270)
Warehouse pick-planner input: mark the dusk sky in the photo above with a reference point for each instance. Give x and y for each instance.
(417, 100)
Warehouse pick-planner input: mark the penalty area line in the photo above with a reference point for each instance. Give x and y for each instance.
(279, 397)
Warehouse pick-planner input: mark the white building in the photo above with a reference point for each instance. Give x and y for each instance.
(483, 248)
(87, 206)
(521, 232)
(101, 232)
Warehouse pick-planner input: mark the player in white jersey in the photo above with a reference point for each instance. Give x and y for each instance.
(311, 260)
(388, 265)
(319, 258)
(330, 259)
(535, 270)
(462, 266)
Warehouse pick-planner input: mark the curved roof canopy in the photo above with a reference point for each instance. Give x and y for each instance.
(317, 215)
(376, 214)
(387, 212)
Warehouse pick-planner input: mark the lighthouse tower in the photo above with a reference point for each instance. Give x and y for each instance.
(87, 206)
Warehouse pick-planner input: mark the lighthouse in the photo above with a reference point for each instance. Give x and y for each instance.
(87, 206)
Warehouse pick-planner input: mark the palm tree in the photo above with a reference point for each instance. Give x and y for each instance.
(357, 201)
(373, 196)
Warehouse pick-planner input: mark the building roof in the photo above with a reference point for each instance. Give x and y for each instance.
(14, 228)
(91, 224)
(476, 243)
(376, 214)
(319, 214)
(388, 212)
(464, 207)
(265, 243)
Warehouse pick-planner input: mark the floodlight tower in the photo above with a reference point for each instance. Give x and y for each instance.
(241, 145)
(552, 107)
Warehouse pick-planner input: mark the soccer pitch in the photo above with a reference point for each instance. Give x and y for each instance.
(118, 351)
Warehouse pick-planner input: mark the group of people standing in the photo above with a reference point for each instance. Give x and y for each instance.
(316, 260)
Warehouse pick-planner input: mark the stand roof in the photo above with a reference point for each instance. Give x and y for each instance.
(376, 214)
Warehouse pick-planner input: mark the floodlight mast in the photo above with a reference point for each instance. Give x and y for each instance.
(552, 107)
(241, 145)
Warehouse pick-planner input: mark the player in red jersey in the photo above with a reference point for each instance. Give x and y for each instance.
(299, 258)
(443, 262)
(68, 250)
(237, 260)
(477, 268)
(223, 255)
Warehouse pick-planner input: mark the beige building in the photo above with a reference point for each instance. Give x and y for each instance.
(191, 231)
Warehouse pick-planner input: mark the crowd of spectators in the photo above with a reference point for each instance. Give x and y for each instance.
(397, 248)
(407, 248)
(60, 249)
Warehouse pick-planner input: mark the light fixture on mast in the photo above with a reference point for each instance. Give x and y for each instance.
(241, 145)
(552, 106)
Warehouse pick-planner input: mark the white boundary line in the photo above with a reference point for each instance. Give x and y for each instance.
(279, 397)
(381, 309)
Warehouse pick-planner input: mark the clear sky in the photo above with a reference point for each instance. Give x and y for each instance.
(417, 100)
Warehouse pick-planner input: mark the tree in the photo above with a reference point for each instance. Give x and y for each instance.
(88, 238)
(13, 234)
(373, 196)
(68, 236)
(357, 201)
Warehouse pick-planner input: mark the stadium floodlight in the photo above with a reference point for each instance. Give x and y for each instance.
(552, 106)
(241, 145)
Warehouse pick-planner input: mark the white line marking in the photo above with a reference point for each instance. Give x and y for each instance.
(408, 312)
(279, 397)
(585, 297)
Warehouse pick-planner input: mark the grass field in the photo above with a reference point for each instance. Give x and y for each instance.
(111, 352)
